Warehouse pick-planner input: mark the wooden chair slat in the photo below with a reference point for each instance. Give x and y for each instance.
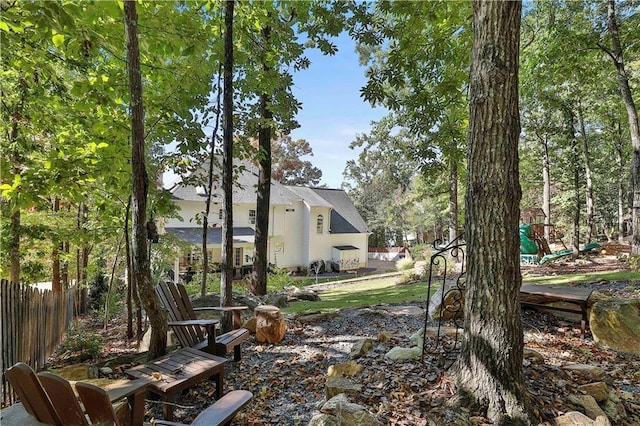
(31, 393)
(63, 399)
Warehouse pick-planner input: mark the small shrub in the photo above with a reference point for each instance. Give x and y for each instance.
(86, 345)
(634, 263)
(404, 264)
(420, 252)
(280, 278)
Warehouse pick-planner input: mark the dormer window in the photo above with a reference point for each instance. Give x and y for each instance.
(201, 190)
(320, 224)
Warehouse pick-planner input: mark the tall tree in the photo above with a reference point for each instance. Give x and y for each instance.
(616, 55)
(489, 371)
(289, 168)
(226, 280)
(140, 264)
(261, 255)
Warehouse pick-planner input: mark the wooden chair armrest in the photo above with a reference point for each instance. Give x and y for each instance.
(134, 386)
(222, 308)
(202, 323)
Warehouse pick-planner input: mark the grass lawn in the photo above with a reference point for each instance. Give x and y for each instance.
(362, 294)
(568, 279)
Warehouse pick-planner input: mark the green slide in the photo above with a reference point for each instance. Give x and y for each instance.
(527, 245)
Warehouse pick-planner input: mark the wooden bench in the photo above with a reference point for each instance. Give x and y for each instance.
(541, 294)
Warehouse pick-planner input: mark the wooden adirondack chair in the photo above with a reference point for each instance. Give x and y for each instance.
(32, 395)
(221, 412)
(188, 329)
(51, 400)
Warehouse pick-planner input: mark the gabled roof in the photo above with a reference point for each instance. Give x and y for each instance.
(345, 218)
(244, 187)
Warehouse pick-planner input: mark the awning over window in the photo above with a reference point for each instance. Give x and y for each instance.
(341, 248)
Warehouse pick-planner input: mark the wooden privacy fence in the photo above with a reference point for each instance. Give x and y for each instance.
(33, 325)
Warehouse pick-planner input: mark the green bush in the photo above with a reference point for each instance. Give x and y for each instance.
(420, 252)
(86, 345)
(279, 279)
(404, 264)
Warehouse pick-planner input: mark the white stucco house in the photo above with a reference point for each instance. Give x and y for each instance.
(305, 224)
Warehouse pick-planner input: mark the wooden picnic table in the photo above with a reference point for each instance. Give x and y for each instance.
(171, 374)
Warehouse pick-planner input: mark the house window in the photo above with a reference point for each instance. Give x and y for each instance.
(237, 259)
(320, 224)
(220, 214)
(252, 217)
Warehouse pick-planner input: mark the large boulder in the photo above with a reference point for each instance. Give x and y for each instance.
(616, 324)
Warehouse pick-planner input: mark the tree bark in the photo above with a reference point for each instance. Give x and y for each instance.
(620, 174)
(634, 126)
(260, 259)
(453, 199)
(489, 371)
(546, 186)
(587, 175)
(226, 280)
(56, 285)
(140, 265)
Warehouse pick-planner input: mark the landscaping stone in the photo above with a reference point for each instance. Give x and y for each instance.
(616, 324)
(591, 407)
(322, 419)
(614, 408)
(338, 385)
(589, 371)
(347, 369)
(309, 295)
(597, 390)
(77, 372)
(401, 354)
(360, 348)
(348, 413)
(574, 418)
(316, 316)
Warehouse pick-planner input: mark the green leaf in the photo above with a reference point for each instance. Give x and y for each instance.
(58, 40)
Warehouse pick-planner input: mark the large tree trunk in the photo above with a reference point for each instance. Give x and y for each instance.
(587, 175)
(489, 370)
(261, 256)
(634, 126)
(620, 162)
(453, 199)
(226, 280)
(56, 284)
(141, 267)
(546, 186)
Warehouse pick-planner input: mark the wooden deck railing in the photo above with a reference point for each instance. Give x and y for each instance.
(32, 325)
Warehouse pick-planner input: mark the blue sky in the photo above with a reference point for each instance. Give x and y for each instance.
(332, 110)
(332, 113)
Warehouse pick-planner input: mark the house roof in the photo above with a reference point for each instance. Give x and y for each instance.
(244, 187)
(345, 218)
(214, 235)
(309, 196)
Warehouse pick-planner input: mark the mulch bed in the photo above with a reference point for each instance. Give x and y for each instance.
(287, 379)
